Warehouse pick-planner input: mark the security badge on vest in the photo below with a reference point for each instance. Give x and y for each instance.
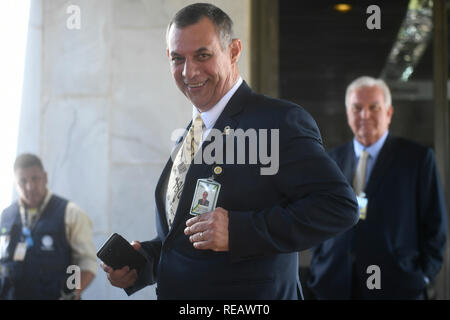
(4, 244)
(23, 245)
(21, 248)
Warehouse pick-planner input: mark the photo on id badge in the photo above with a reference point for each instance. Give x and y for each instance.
(205, 196)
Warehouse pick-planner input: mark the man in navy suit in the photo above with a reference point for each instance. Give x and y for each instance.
(246, 248)
(397, 247)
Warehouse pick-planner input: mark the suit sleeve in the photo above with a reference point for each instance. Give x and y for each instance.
(433, 217)
(320, 203)
(147, 276)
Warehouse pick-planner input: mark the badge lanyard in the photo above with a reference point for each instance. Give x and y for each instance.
(26, 240)
(26, 232)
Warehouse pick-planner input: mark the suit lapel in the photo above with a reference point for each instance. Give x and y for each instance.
(161, 187)
(159, 195)
(383, 163)
(227, 119)
(203, 170)
(348, 162)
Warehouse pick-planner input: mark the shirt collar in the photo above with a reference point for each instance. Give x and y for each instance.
(210, 117)
(43, 205)
(373, 149)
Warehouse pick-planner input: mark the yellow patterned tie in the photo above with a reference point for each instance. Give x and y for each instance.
(180, 167)
(359, 180)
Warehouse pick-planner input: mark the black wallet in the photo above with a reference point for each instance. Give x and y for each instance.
(117, 253)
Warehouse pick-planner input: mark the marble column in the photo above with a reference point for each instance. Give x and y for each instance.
(100, 108)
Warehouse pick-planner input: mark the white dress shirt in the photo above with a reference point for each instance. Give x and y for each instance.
(210, 117)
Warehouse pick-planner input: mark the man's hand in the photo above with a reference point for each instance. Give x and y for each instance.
(122, 278)
(209, 230)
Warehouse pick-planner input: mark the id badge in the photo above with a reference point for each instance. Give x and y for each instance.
(20, 252)
(4, 245)
(362, 205)
(205, 196)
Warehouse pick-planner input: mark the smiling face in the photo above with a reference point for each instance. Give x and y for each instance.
(31, 184)
(202, 69)
(367, 114)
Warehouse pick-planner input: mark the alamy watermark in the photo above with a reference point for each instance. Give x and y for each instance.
(249, 147)
(374, 280)
(374, 20)
(73, 281)
(73, 22)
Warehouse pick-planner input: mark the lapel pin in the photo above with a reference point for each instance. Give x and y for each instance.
(226, 130)
(218, 170)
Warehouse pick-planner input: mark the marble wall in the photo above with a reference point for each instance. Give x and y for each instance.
(100, 107)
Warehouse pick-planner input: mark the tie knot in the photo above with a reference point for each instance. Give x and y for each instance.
(198, 122)
(197, 128)
(364, 154)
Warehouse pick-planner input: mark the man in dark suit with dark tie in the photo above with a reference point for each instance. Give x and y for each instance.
(246, 248)
(397, 247)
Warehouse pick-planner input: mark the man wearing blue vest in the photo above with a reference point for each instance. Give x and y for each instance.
(41, 235)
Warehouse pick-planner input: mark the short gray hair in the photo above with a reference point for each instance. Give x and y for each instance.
(195, 12)
(366, 81)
